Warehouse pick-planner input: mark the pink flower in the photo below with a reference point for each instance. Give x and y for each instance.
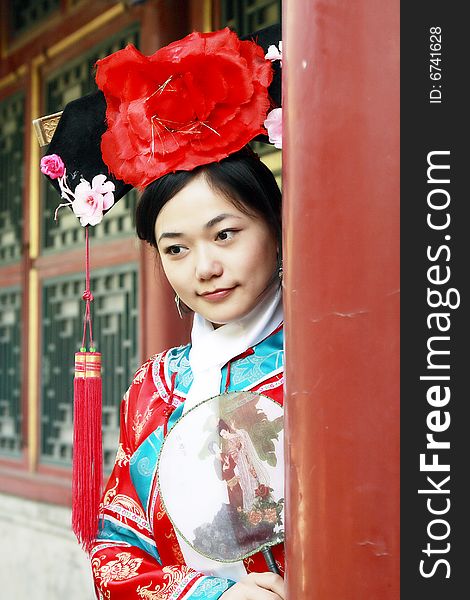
(274, 53)
(52, 166)
(90, 201)
(273, 124)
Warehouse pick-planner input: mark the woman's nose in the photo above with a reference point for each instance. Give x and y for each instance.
(207, 265)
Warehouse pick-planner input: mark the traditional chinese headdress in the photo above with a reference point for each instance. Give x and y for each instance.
(193, 102)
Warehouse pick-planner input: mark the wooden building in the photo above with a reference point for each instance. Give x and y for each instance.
(341, 241)
(48, 50)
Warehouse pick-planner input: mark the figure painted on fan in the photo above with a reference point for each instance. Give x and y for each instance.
(251, 474)
(225, 469)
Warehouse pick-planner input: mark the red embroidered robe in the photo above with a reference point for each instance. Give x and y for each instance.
(136, 554)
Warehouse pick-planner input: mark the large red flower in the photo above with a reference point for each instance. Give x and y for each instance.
(193, 102)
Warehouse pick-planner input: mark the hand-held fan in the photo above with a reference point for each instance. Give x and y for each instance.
(221, 477)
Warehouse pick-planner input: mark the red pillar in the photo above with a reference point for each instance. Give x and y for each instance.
(160, 326)
(341, 190)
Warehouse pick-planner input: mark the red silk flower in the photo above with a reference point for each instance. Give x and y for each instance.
(193, 102)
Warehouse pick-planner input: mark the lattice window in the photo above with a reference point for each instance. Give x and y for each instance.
(63, 86)
(246, 16)
(114, 325)
(27, 14)
(10, 372)
(11, 177)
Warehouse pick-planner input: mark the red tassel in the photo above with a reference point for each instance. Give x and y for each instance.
(87, 474)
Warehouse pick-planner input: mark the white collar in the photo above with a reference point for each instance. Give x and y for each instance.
(211, 348)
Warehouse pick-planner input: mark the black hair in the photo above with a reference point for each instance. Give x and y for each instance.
(241, 177)
(223, 425)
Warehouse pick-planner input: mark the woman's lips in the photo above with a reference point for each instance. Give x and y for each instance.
(217, 295)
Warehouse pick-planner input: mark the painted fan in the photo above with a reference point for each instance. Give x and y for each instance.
(226, 454)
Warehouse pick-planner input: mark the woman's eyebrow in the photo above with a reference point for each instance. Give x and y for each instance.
(218, 219)
(208, 225)
(170, 235)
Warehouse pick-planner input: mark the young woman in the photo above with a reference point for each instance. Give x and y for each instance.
(178, 123)
(217, 233)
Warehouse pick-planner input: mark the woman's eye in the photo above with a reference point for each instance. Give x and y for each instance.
(226, 234)
(174, 250)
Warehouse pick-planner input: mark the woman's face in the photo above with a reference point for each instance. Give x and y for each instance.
(217, 258)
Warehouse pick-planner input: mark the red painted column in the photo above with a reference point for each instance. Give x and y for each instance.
(341, 190)
(160, 326)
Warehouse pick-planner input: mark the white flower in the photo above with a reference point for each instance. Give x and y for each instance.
(274, 53)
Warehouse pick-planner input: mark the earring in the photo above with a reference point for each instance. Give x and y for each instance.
(178, 305)
(279, 271)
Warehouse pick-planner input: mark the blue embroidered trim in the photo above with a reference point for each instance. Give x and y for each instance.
(211, 587)
(177, 360)
(175, 415)
(171, 421)
(109, 529)
(268, 358)
(246, 372)
(143, 464)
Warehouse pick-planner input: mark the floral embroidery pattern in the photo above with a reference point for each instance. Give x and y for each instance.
(124, 567)
(160, 514)
(122, 457)
(175, 580)
(128, 508)
(141, 373)
(140, 421)
(131, 507)
(175, 546)
(110, 494)
(249, 369)
(211, 587)
(125, 405)
(254, 368)
(180, 364)
(248, 562)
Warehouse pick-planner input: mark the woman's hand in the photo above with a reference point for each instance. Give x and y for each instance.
(257, 586)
